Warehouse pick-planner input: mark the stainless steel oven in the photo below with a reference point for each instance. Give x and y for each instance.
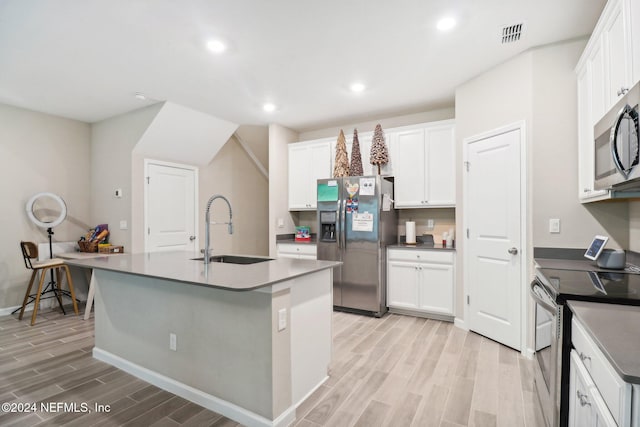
(548, 358)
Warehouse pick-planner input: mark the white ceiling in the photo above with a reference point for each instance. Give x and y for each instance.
(85, 59)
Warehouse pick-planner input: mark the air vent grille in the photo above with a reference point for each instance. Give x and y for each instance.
(511, 33)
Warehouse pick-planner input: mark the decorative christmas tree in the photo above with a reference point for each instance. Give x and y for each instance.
(379, 154)
(341, 167)
(356, 158)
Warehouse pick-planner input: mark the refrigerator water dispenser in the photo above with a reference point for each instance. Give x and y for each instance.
(328, 226)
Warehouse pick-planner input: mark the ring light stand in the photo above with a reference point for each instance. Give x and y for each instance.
(51, 286)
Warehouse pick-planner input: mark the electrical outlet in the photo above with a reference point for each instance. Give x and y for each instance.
(282, 319)
(173, 342)
(123, 224)
(430, 224)
(554, 225)
(280, 223)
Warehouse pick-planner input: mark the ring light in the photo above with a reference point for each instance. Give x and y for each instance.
(57, 221)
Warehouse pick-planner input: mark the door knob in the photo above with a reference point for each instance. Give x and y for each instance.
(192, 238)
(513, 251)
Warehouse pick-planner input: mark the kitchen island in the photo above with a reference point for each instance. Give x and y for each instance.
(248, 341)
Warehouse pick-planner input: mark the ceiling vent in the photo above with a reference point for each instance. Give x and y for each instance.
(511, 33)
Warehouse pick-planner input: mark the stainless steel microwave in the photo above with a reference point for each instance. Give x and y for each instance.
(617, 153)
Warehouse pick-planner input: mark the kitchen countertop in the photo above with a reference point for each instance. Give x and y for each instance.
(614, 329)
(420, 246)
(179, 267)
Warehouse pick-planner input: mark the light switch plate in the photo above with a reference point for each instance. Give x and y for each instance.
(123, 224)
(118, 193)
(282, 319)
(554, 225)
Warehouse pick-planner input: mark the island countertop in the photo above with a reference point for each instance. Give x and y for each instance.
(178, 266)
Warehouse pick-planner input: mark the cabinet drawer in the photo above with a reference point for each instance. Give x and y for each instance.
(297, 248)
(614, 391)
(416, 255)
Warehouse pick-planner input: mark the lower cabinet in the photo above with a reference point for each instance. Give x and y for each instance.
(420, 282)
(597, 394)
(296, 250)
(586, 405)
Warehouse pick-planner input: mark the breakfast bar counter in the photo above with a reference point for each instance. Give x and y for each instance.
(249, 341)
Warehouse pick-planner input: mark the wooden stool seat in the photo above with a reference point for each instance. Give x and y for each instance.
(30, 252)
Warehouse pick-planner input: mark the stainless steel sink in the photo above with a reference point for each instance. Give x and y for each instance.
(234, 259)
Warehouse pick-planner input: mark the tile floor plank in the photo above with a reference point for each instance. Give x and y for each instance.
(394, 371)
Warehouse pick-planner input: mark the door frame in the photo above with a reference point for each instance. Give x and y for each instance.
(524, 225)
(196, 191)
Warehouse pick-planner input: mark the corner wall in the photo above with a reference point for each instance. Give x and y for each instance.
(112, 142)
(39, 152)
(279, 139)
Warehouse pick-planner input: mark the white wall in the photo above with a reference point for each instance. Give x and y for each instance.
(386, 122)
(496, 98)
(279, 138)
(112, 142)
(39, 153)
(554, 173)
(234, 175)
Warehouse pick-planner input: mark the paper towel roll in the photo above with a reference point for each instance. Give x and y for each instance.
(410, 228)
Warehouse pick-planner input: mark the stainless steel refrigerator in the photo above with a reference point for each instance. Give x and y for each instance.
(356, 221)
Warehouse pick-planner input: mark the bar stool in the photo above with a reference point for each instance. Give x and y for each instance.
(30, 252)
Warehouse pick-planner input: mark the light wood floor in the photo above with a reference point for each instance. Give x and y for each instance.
(394, 371)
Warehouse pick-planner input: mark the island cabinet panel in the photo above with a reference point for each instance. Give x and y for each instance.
(420, 282)
(252, 356)
(424, 168)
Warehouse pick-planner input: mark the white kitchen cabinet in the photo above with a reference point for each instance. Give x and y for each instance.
(609, 396)
(424, 167)
(296, 250)
(617, 41)
(586, 144)
(308, 162)
(604, 71)
(420, 282)
(586, 406)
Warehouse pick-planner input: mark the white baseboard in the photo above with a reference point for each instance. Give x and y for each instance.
(313, 390)
(228, 409)
(7, 311)
(460, 323)
(528, 353)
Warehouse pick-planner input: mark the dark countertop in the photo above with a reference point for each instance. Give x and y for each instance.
(180, 267)
(573, 259)
(291, 238)
(420, 246)
(614, 329)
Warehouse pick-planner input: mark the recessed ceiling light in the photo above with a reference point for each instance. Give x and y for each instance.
(216, 46)
(357, 87)
(140, 96)
(269, 107)
(446, 23)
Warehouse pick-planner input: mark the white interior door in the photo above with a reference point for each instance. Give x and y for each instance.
(170, 207)
(493, 213)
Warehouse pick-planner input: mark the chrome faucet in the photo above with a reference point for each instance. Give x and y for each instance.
(208, 222)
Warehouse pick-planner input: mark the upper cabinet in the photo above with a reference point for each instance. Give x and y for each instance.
(608, 67)
(308, 162)
(424, 167)
(421, 158)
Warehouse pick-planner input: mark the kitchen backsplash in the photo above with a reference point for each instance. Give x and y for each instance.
(443, 220)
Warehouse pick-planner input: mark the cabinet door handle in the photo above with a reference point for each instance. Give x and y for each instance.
(623, 90)
(583, 357)
(583, 398)
(513, 251)
(192, 238)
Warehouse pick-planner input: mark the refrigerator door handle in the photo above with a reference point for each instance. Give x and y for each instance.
(343, 223)
(339, 224)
